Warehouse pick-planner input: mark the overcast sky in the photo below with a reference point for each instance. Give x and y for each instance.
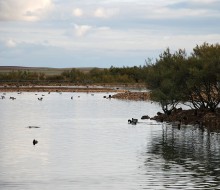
(102, 33)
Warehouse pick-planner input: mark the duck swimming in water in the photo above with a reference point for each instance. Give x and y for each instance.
(35, 142)
(133, 121)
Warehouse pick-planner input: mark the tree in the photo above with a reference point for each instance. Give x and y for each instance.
(165, 79)
(177, 78)
(204, 76)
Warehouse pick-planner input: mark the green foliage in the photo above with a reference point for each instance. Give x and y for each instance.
(20, 76)
(115, 75)
(165, 78)
(74, 75)
(204, 80)
(177, 78)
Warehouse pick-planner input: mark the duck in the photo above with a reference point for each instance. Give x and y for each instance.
(35, 142)
(30, 127)
(133, 121)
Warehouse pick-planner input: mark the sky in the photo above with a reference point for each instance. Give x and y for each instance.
(102, 33)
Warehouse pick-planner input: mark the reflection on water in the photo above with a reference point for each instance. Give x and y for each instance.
(188, 157)
(86, 143)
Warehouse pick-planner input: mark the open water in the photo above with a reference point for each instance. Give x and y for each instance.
(86, 143)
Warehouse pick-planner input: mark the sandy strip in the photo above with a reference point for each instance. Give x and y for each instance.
(58, 89)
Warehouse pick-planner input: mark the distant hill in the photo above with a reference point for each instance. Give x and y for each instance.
(45, 70)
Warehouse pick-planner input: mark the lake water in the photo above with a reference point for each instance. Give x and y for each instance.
(87, 144)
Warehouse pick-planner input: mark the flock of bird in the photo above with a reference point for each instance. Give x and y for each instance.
(130, 121)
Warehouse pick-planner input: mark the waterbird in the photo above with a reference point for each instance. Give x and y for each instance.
(35, 142)
(30, 127)
(133, 121)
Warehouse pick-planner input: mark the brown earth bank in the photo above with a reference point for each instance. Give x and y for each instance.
(137, 96)
(139, 86)
(58, 89)
(67, 87)
(203, 118)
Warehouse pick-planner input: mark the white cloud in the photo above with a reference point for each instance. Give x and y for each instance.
(78, 12)
(26, 10)
(81, 30)
(100, 12)
(105, 13)
(10, 43)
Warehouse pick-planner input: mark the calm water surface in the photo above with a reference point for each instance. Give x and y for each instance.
(86, 143)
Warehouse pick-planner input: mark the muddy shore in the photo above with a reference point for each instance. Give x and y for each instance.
(202, 118)
(135, 96)
(59, 89)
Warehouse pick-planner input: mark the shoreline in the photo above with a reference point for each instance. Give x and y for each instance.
(67, 87)
(59, 89)
(201, 118)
